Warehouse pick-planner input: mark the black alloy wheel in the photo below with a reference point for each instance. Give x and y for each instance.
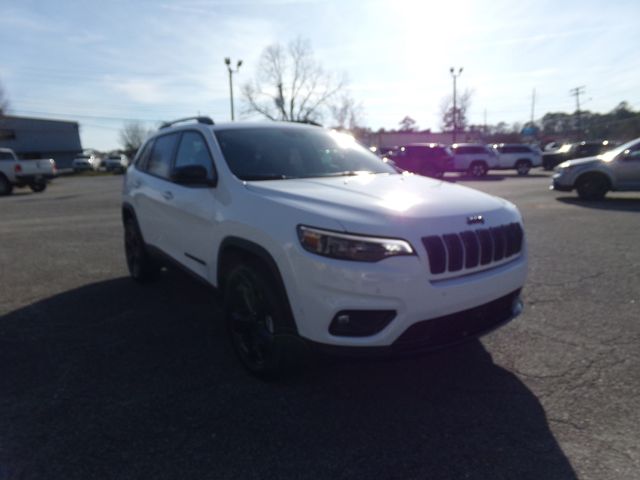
(141, 266)
(253, 313)
(592, 187)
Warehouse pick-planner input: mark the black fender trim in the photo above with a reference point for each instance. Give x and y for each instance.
(253, 249)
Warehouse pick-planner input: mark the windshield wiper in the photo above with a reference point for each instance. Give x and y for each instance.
(269, 176)
(345, 173)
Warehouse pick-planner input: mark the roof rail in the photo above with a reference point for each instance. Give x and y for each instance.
(203, 120)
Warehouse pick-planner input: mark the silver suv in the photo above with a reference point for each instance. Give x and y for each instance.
(474, 159)
(592, 178)
(518, 156)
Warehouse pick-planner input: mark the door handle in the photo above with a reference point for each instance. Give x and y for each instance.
(167, 195)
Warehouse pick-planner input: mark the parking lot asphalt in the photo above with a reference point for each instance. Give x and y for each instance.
(104, 378)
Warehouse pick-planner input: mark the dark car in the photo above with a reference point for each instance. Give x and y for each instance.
(570, 151)
(429, 159)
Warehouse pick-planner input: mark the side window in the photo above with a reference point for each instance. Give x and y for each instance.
(6, 156)
(193, 150)
(143, 155)
(634, 153)
(161, 154)
(462, 151)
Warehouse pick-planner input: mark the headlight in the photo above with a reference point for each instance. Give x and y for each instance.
(351, 247)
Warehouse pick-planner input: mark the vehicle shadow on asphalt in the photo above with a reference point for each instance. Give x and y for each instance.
(118, 380)
(607, 203)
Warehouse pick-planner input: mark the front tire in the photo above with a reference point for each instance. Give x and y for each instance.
(477, 169)
(142, 267)
(592, 187)
(254, 314)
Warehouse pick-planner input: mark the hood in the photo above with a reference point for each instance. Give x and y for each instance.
(582, 161)
(381, 199)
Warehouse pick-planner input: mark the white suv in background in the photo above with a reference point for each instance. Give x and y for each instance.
(473, 159)
(313, 240)
(518, 156)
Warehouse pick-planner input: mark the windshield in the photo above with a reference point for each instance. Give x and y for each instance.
(282, 153)
(611, 154)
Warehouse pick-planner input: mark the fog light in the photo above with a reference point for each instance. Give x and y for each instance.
(360, 323)
(517, 306)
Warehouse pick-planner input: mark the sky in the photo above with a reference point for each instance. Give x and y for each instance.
(108, 62)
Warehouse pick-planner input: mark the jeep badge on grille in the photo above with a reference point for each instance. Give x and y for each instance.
(475, 219)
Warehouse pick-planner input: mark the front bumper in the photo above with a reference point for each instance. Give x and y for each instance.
(561, 183)
(441, 332)
(324, 287)
(29, 179)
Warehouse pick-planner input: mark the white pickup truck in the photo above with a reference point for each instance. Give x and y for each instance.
(24, 173)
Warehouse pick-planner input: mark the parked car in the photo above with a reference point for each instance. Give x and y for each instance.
(569, 151)
(85, 162)
(518, 156)
(313, 241)
(474, 159)
(429, 159)
(592, 178)
(24, 173)
(116, 163)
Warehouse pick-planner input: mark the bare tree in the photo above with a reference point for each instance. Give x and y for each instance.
(346, 113)
(291, 85)
(132, 136)
(408, 124)
(463, 102)
(4, 103)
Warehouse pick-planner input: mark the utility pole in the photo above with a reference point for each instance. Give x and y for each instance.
(485, 122)
(227, 62)
(533, 105)
(576, 92)
(455, 110)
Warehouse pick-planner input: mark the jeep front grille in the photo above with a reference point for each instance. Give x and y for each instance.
(454, 251)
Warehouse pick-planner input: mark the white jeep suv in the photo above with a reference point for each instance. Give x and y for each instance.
(473, 159)
(314, 240)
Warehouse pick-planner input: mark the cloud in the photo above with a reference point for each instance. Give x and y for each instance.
(22, 21)
(141, 91)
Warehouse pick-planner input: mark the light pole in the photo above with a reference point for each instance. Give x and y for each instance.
(227, 62)
(455, 110)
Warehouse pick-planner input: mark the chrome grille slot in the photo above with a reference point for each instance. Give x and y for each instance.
(471, 248)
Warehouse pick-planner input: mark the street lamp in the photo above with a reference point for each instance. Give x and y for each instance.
(227, 62)
(455, 110)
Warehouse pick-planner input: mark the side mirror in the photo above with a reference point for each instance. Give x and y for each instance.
(192, 175)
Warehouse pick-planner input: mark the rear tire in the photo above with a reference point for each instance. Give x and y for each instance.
(254, 313)
(523, 167)
(5, 186)
(477, 169)
(38, 187)
(592, 187)
(142, 267)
